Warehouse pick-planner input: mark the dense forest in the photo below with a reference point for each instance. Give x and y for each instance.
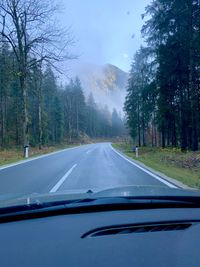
(163, 101)
(56, 113)
(34, 109)
(163, 93)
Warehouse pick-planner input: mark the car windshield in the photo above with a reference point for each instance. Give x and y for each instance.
(99, 99)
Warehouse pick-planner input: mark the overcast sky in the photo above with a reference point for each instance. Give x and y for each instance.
(107, 31)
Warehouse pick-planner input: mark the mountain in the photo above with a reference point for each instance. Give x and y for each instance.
(107, 83)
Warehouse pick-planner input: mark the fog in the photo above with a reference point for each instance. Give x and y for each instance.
(105, 32)
(107, 83)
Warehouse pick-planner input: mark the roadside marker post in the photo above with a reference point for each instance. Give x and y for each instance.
(26, 151)
(136, 151)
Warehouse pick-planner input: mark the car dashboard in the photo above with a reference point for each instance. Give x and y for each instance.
(151, 237)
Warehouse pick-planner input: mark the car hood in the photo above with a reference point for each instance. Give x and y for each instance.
(95, 193)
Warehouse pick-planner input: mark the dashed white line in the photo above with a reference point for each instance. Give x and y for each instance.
(145, 170)
(61, 181)
(89, 151)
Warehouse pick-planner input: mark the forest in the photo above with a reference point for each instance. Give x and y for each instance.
(162, 106)
(35, 109)
(163, 100)
(56, 113)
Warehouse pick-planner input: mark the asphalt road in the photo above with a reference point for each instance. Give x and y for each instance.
(95, 166)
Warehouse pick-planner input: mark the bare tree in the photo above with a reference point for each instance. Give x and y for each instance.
(29, 26)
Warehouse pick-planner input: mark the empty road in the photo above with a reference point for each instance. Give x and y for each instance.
(95, 166)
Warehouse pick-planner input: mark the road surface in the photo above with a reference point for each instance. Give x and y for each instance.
(95, 166)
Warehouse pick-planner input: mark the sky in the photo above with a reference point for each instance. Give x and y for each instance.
(106, 31)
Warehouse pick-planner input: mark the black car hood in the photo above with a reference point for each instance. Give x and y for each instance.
(94, 193)
(139, 191)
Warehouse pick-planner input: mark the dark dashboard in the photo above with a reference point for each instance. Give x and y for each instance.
(151, 237)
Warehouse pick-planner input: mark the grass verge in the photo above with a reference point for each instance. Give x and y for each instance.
(184, 167)
(8, 156)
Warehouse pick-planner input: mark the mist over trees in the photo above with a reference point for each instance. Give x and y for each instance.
(56, 114)
(27, 27)
(163, 101)
(34, 109)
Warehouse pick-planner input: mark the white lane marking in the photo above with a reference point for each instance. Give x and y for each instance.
(90, 150)
(39, 157)
(61, 181)
(145, 170)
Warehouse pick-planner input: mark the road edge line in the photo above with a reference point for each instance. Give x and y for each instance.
(3, 167)
(171, 185)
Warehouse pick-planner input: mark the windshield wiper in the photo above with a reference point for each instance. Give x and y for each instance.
(39, 209)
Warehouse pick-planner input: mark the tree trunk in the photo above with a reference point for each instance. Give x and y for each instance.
(143, 132)
(77, 119)
(163, 135)
(40, 130)
(40, 121)
(2, 122)
(24, 111)
(138, 125)
(155, 133)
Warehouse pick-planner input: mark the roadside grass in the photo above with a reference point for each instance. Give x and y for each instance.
(8, 156)
(182, 166)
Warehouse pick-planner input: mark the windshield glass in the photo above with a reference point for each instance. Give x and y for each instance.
(98, 99)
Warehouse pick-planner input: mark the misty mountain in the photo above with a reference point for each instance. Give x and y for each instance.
(107, 83)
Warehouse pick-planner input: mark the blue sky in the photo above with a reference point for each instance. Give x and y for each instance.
(107, 31)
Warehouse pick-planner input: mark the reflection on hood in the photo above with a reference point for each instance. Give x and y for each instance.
(94, 193)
